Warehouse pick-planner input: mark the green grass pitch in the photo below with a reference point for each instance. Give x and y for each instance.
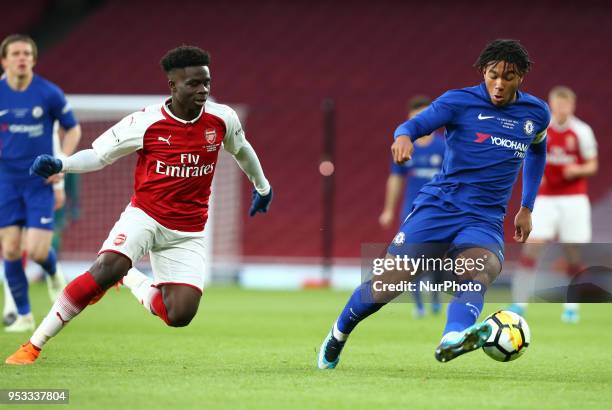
(256, 349)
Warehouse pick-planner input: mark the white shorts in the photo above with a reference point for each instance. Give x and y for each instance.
(565, 216)
(176, 257)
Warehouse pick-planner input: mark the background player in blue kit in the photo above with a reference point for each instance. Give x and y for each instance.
(410, 177)
(490, 129)
(29, 107)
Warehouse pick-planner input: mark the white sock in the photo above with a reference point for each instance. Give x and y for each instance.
(141, 287)
(341, 337)
(571, 307)
(523, 283)
(9, 302)
(62, 311)
(27, 316)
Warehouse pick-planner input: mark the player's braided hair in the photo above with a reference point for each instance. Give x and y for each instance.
(510, 51)
(184, 56)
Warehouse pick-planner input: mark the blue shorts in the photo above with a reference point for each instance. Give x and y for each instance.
(27, 203)
(436, 227)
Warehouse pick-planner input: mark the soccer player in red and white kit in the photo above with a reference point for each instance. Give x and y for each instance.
(562, 207)
(178, 143)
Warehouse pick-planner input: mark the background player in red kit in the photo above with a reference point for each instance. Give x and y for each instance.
(562, 207)
(178, 143)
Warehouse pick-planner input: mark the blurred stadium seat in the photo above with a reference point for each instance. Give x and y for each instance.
(23, 18)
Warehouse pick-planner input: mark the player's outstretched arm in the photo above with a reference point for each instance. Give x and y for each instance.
(236, 144)
(393, 192)
(81, 162)
(438, 114)
(250, 165)
(533, 170)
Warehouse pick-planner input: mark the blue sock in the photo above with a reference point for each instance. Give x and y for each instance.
(418, 297)
(50, 265)
(436, 278)
(359, 306)
(435, 298)
(18, 283)
(465, 308)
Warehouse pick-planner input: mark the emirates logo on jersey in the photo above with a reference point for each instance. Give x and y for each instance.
(210, 135)
(188, 168)
(120, 239)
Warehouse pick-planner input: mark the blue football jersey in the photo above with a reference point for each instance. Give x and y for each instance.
(426, 162)
(486, 145)
(26, 124)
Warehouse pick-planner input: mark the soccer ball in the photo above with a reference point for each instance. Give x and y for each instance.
(509, 338)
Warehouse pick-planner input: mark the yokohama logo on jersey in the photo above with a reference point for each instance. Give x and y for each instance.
(519, 147)
(504, 142)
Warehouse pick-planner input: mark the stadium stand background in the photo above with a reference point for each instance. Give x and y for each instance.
(281, 59)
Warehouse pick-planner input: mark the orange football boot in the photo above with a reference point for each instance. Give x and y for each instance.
(26, 354)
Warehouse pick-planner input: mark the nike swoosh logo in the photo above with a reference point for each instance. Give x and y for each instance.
(3, 112)
(45, 221)
(485, 117)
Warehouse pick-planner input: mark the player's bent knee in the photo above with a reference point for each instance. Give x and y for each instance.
(37, 255)
(484, 266)
(180, 317)
(11, 254)
(110, 268)
(11, 250)
(181, 302)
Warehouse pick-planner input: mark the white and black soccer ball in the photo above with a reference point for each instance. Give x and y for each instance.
(509, 338)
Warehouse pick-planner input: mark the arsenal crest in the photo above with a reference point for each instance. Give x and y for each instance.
(210, 135)
(120, 239)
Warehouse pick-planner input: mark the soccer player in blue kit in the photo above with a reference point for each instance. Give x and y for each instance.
(410, 177)
(490, 129)
(29, 107)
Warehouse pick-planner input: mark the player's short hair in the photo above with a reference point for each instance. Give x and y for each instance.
(562, 91)
(14, 38)
(418, 101)
(184, 56)
(510, 51)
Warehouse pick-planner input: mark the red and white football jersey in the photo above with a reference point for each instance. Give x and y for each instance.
(572, 143)
(176, 159)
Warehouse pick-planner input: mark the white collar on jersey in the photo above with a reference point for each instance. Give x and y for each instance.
(169, 112)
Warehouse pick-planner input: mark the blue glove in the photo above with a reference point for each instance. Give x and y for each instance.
(260, 203)
(45, 166)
